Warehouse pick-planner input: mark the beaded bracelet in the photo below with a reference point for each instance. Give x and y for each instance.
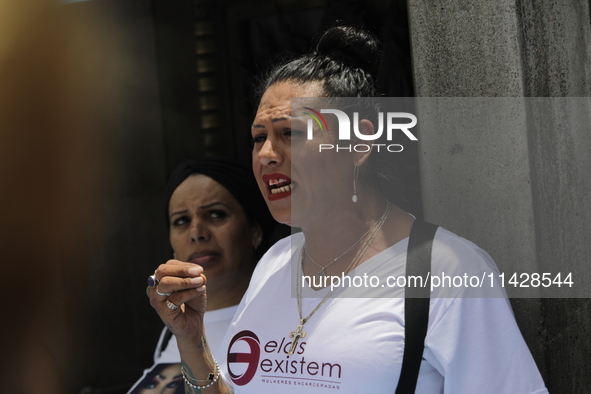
(211, 378)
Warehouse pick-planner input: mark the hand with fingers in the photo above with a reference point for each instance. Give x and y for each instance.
(177, 292)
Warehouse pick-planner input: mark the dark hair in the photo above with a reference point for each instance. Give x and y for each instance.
(346, 59)
(150, 376)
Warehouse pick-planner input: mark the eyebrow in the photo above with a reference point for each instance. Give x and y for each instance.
(272, 120)
(201, 207)
(213, 204)
(179, 213)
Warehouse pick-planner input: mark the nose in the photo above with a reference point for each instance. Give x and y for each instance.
(199, 231)
(269, 153)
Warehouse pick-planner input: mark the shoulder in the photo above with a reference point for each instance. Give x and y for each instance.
(460, 268)
(455, 253)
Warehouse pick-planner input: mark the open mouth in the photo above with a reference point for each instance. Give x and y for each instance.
(277, 186)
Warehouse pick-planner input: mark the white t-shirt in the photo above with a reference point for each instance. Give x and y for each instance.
(216, 324)
(355, 345)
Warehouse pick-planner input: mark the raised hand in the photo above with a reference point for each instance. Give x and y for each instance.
(178, 294)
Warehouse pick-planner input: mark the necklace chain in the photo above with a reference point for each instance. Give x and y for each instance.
(374, 231)
(322, 271)
(299, 332)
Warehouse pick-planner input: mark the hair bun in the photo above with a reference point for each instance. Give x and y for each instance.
(353, 46)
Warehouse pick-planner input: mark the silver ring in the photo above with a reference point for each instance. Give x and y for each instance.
(152, 280)
(170, 305)
(163, 294)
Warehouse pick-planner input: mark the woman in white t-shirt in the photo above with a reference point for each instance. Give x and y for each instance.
(217, 219)
(296, 330)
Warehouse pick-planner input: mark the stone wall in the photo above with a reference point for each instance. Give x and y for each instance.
(520, 190)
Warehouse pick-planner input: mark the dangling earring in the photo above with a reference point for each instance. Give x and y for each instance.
(355, 173)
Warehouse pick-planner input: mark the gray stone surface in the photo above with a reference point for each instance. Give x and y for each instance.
(522, 191)
(465, 49)
(556, 47)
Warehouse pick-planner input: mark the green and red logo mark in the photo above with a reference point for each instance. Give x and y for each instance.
(318, 118)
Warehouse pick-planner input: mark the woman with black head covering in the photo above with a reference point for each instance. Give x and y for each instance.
(299, 331)
(218, 220)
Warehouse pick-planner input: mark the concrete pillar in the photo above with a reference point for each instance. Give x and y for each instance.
(520, 190)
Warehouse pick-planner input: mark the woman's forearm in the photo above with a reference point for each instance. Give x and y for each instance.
(200, 368)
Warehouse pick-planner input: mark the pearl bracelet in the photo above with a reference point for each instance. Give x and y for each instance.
(211, 378)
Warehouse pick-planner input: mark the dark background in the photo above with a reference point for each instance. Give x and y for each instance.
(187, 70)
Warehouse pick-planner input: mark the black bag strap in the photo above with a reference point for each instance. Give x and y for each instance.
(416, 304)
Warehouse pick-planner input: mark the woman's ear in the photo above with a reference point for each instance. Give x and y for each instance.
(256, 235)
(366, 128)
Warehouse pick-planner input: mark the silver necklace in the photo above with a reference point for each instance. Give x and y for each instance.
(299, 333)
(322, 272)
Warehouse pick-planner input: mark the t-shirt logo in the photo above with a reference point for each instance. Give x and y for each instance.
(244, 353)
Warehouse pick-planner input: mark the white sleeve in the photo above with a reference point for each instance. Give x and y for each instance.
(478, 348)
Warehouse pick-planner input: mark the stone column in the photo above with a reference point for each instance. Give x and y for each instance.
(521, 191)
